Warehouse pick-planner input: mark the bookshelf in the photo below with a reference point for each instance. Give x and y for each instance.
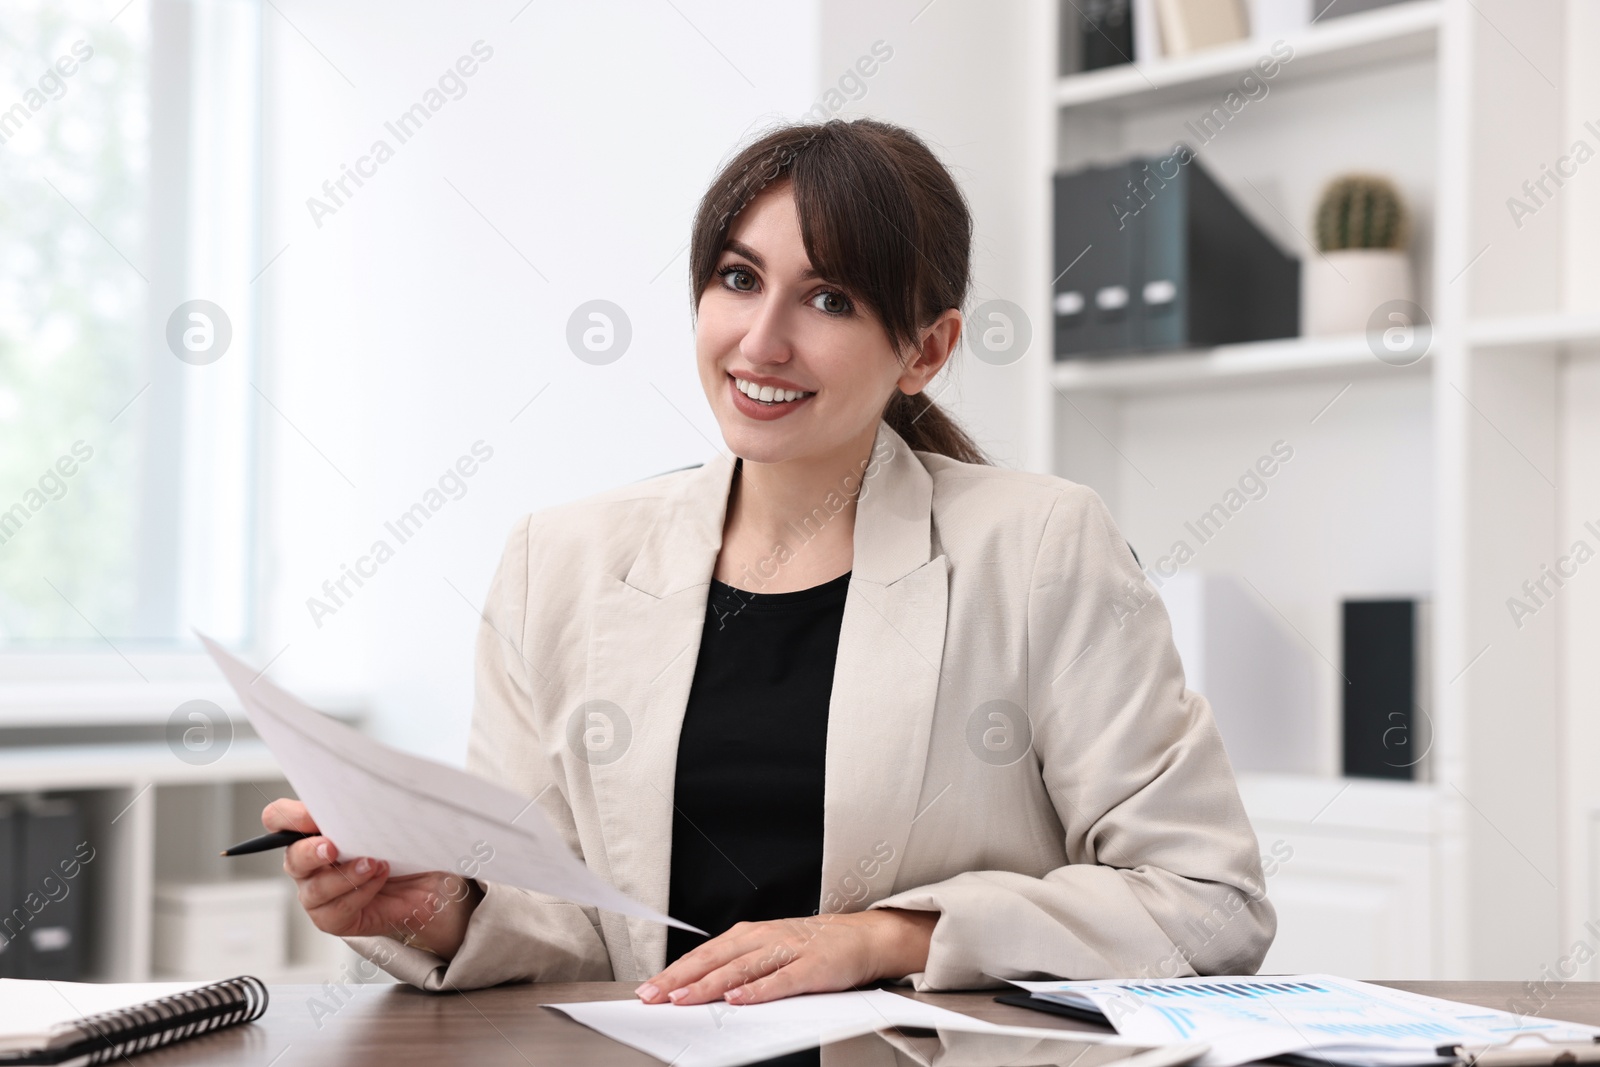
(1482, 459)
(1259, 362)
(1399, 33)
(1533, 332)
(150, 816)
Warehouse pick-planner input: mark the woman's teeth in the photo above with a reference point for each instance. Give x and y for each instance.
(767, 394)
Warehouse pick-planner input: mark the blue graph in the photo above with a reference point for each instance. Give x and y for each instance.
(1227, 989)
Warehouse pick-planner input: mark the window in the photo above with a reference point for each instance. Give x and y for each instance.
(129, 211)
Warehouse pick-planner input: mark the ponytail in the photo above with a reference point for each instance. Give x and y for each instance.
(927, 428)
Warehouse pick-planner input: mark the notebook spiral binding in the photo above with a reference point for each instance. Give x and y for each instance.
(112, 1035)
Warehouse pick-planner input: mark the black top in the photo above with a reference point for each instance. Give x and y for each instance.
(747, 819)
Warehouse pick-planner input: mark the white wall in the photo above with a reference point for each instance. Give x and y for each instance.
(1582, 265)
(406, 327)
(1578, 616)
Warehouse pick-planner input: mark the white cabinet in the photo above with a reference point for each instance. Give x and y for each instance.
(1350, 869)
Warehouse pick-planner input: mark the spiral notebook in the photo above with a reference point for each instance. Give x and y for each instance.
(75, 1023)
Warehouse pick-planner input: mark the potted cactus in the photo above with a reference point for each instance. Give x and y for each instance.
(1362, 228)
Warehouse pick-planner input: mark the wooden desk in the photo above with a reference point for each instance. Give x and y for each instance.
(397, 1026)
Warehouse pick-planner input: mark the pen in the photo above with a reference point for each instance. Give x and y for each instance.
(1512, 1054)
(276, 839)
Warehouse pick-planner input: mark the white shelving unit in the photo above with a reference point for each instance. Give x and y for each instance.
(1481, 462)
(1533, 332)
(1394, 34)
(150, 816)
(1257, 363)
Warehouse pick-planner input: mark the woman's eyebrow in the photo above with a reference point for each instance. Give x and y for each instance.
(740, 248)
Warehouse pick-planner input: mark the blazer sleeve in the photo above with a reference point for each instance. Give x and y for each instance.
(1163, 876)
(514, 934)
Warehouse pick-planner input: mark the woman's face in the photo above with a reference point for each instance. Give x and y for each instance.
(764, 321)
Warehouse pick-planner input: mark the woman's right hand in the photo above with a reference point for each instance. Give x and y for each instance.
(356, 897)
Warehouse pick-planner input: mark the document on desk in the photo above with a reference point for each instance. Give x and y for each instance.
(1334, 1020)
(373, 800)
(725, 1035)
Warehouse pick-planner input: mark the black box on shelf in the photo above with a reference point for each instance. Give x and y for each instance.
(1386, 732)
(48, 902)
(1105, 28)
(1094, 34)
(1153, 254)
(1092, 255)
(13, 923)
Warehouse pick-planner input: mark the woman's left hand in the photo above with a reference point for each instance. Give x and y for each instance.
(755, 962)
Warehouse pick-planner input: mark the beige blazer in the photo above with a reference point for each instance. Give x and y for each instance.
(1009, 743)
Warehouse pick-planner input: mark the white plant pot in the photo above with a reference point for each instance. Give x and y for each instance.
(1340, 290)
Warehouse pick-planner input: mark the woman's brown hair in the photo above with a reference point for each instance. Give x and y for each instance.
(880, 217)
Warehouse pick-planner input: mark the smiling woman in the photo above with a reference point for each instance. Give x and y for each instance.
(855, 202)
(925, 750)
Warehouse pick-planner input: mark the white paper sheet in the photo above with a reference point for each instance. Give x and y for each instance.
(1338, 1020)
(724, 1035)
(32, 1012)
(373, 800)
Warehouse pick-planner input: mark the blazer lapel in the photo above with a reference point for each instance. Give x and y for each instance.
(644, 644)
(885, 680)
(643, 647)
